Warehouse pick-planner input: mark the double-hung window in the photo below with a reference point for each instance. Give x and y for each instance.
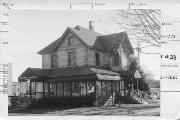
(97, 57)
(116, 60)
(54, 62)
(71, 58)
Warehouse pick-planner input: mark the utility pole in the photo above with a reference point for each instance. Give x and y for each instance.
(138, 49)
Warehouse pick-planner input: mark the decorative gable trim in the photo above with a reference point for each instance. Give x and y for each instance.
(73, 33)
(128, 43)
(59, 41)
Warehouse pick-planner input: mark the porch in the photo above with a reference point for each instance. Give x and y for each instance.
(87, 87)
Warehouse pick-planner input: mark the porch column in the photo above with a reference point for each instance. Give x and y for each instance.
(43, 89)
(71, 89)
(101, 89)
(111, 87)
(86, 88)
(95, 88)
(35, 89)
(94, 102)
(112, 91)
(63, 87)
(56, 89)
(119, 86)
(106, 87)
(48, 89)
(137, 84)
(30, 89)
(124, 87)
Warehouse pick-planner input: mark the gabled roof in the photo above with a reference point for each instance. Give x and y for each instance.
(112, 41)
(86, 36)
(91, 39)
(50, 48)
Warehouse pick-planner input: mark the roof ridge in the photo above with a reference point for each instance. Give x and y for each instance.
(112, 34)
(78, 27)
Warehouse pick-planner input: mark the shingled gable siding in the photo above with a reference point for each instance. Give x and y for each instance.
(91, 59)
(81, 56)
(46, 61)
(105, 59)
(113, 67)
(74, 43)
(76, 46)
(124, 59)
(62, 53)
(62, 59)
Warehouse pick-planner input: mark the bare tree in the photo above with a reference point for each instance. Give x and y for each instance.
(142, 25)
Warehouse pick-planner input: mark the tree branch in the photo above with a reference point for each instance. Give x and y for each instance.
(146, 28)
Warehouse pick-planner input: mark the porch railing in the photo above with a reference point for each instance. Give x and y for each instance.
(139, 96)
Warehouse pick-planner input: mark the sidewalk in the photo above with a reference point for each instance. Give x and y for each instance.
(123, 109)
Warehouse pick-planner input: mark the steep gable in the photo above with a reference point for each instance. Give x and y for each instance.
(73, 43)
(112, 42)
(91, 39)
(53, 46)
(50, 48)
(85, 36)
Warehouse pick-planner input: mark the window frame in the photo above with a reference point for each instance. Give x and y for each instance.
(70, 60)
(70, 41)
(116, 60)
(54, 62)
(97, 58)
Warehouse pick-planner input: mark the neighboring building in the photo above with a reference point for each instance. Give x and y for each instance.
(5, 78)
(20, 88)
(80, 67)
(9, 79)
(15, 88)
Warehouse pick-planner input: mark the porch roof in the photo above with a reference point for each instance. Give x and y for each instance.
(38, 73)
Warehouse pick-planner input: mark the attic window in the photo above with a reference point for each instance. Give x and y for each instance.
(70, 41)
(71, 58)
(54, 62)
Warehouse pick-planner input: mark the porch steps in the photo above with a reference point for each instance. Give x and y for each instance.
(110, 101)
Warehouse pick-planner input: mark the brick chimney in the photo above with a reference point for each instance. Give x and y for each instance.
(91, 25)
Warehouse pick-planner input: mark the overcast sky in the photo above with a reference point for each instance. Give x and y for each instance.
(32, 30)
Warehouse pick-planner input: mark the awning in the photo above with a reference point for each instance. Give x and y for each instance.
(68, 74)
(107, 77)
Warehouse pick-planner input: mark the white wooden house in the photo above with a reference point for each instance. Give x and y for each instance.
(81, 67)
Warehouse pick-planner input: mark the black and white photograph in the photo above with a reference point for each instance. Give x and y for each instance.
(84, 62)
